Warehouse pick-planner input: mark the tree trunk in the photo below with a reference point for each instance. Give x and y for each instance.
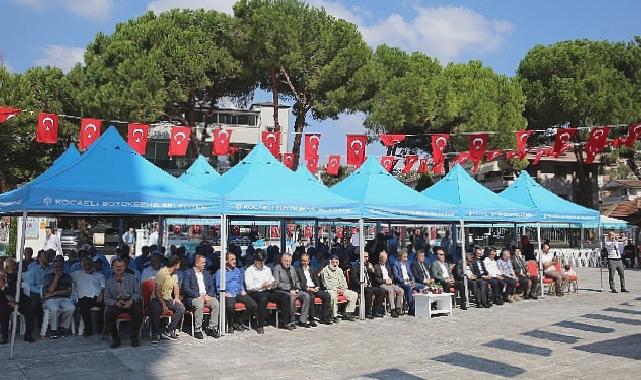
(275, 92)
(584, 192)
(299, 126)
(632, 164)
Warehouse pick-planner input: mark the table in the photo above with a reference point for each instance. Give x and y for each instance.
(423, 302)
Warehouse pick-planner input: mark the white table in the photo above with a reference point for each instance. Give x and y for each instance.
(423, 302)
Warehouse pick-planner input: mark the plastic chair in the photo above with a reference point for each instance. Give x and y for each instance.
(147, 290)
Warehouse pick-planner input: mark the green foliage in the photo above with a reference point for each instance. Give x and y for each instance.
(426, 180)
(13, 237)
(518, 164)
(330, 180)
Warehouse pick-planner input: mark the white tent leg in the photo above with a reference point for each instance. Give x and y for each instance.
(361, 226)
(18, 284)
(463, 262)
(538, 234)
(222, 322)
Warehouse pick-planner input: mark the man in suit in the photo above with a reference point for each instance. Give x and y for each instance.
(383, 279)
(403, 278)
(520, 268)
(442, 272)
(421, 271)
(287, 282)
(481, 278)
(310, 284)
(374, 296)
(199, 292)
(122, 295)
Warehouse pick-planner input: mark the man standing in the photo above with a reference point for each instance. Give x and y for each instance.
(199, 292)
(122, 295)
(615, 264)
(52, 241)
(287, 282)
(129, 240)
(90, 287)
(383, 279)
(235, 292)
(57, 288)
(336, 284)
(153, 236)
(373, 294)
(260, 285)
(521, 271)
(311, 284)
(442, 273)
(162, 302)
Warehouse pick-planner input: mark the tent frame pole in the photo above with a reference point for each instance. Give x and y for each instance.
(222, 322)
(538, 234)
(361, 227)
(14, 316)
(600, 229)
(463, 262)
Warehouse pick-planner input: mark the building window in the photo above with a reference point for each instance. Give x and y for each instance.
(624, 191)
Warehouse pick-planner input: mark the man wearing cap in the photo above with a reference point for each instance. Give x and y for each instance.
(336, 285)
(260, 284)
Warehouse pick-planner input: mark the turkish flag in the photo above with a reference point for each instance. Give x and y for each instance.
(356, 149)
(308, 232)
(7, 113)
(312, 164)
(137, 136)
(274, 231)
(596, 141)
(422, 166)
(521, 142)
(633, 135)
(271, 139)
(478, 143)
(333, 165)
(493, 154)
(562, 141)
(89, 131)
(510, 154)
(291, 228)
(539, 153)
(288, 159)
(179, 141)
(410, 160)
(222, 137)
(439, 143)
(47, 129)
(312, 141)
(389, 140)
(462, 158)
(339, 232)
(388, 162)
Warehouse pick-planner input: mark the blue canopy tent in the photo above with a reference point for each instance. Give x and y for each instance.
(199, 173)
(304, 174)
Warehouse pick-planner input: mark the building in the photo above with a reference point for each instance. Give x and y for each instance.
(246, 127)
(620, 190)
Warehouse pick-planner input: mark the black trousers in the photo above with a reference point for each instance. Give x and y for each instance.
(524, 284)
(135, 311)
(497, 286)
(479, 288)
(36, 308)
(279, 298)
(230, 307)
(24, 307)
(325, 309)
(458, 285)
(374, 298)
(85, 304)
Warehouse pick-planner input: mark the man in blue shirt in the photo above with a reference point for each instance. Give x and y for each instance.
(35, 278)
(235, 292)
(73, 259)
(143, 260)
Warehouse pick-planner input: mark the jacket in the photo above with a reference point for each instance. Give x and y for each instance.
(478, 272)
(519, 265)
(419, 274)
(333, 279)
(131, 284)
(398, 274)
(437, 271)
(190, 289)
(303, 281)
(282, 280)
(377, 278)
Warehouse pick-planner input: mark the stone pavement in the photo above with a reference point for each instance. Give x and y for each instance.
(584, 335)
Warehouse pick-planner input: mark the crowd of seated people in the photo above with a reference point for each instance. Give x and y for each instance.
(307, 287)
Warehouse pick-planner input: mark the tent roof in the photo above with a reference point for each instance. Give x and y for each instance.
(476, 202)
(111, 178)
(199, 173)
(384, 197)
(304, 174)
(552, 208)
(259, 185)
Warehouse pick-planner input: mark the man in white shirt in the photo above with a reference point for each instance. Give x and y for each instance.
(152, 269)
(52, 241)
(90, 286)
(129, 240)
(496, 278)
(383, 279)
(548, 260)
(153, 236)
(615, 263)
(260, 285)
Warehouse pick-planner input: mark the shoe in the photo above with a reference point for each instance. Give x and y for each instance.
(198, 335)
(155, 339)
(624, 290)
(236, 327)
(534, 297)
(325, 321)
(287, 327)
(499, 302)
(212, 332)
(336, 319)
(135, 341)
(293, 325)
(394, 314)
(54, 334)
(463, 307)
(369, 316)
(168, 335)
(487, 306)
(613, 290)
(115, 343)
(243, 327)
(348, 316)
(260, 330)
(29, 338)
(379, 315)
(87, 333)
(305, 325)
(312, 323)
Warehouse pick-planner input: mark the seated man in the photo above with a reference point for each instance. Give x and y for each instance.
(480, 278)
(235, 293)
(8, 281)
(442, 272)
(287, 283)
(374, 296)
(421, 271)
(198, 290)
(509, 276)
(260, 285)
(57, 295)
(122, 295)
(383, 279)
(548, 260)
(496, 278)
(152, 269)
(34, 278)
(521, 271)
(310, 283)
(72, 259)
(162, 302)
(90, 287)
(142, 261)
(335, 283)
(403, 278)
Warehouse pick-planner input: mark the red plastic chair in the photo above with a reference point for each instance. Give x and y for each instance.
(272, 306)
(147, 290)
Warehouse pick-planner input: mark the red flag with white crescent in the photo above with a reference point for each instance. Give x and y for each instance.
(356, 149)
(493, 154)
(521, 142)
(478, 144)
(271, 139)
(312, 164)
(312, 141)
(179, 141)
(389, 140)
(308, 232)
(137, 136)
(47, 128)
(540, 152)
(89, 131)
(563, 140)
(333, 165)
(596, 141)
(222, 137)
(274, 231)
(439, 143)
(339, 232)
(410, 160)
(422, 166)
(633, 135)
(291, 228)
(462, 158)
(510, 154)
(288, 159)
(388, 162)
(7, 113)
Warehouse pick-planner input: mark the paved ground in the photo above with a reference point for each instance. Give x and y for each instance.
(584, 335)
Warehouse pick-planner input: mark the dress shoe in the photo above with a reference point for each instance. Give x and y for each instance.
(463, 306)
(379, 315)
(624, 290)
(198, 335)
(534, 297)
(305, 325)
(487, 305)
(135, 341)
(369, 316)
(293, 325)
(287, 327)
(336, 319)
(312, 323)
(29, 338)
(348, 316)
(394, 314)
(325, 321)
(260, 330)
(115, 343)
(613, 290)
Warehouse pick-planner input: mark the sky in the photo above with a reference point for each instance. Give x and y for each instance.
(497, 32)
